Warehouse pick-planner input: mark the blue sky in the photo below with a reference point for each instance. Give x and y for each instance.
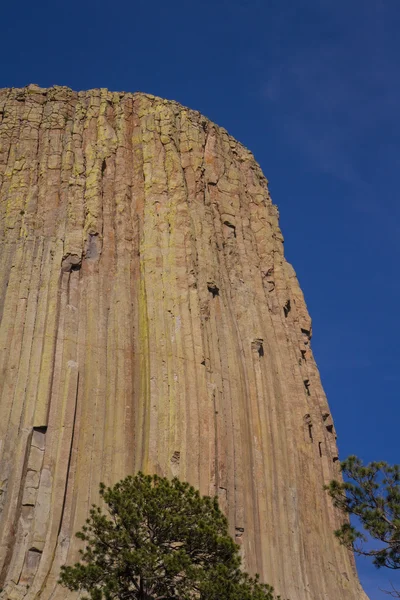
(312, 88)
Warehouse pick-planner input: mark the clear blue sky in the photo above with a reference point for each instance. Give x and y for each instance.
(312, 88)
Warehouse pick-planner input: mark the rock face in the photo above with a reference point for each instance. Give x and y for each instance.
(149, 321)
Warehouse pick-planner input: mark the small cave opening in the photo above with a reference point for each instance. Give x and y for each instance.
(307, 386)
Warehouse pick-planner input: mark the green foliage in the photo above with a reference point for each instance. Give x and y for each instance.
(372, 493)
(160, 541)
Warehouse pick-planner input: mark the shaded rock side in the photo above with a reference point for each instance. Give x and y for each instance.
(150, 321)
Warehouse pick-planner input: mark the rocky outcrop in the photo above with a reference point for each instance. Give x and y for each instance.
(150, 321)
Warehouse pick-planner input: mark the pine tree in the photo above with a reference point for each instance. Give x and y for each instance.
(160, 540)
(371, 493)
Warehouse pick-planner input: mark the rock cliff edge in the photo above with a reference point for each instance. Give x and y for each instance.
(149, 320)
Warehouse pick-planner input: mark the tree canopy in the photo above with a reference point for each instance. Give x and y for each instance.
(160, 540)
(371, 493)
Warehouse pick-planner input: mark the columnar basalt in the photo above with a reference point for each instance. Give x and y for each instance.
(149, 320)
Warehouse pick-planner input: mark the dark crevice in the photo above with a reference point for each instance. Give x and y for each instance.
(213, 289)
(308, 424)
(231, 226)
(72, 441)
(287, 308)
(258, 346)
(41, 429)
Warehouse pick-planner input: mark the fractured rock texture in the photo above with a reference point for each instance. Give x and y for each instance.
(150, 321)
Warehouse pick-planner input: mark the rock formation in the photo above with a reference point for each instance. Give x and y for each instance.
(149, 320)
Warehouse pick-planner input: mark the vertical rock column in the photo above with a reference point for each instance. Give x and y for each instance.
(150, 321)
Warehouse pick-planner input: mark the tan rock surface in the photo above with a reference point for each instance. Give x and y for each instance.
(150, 321)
